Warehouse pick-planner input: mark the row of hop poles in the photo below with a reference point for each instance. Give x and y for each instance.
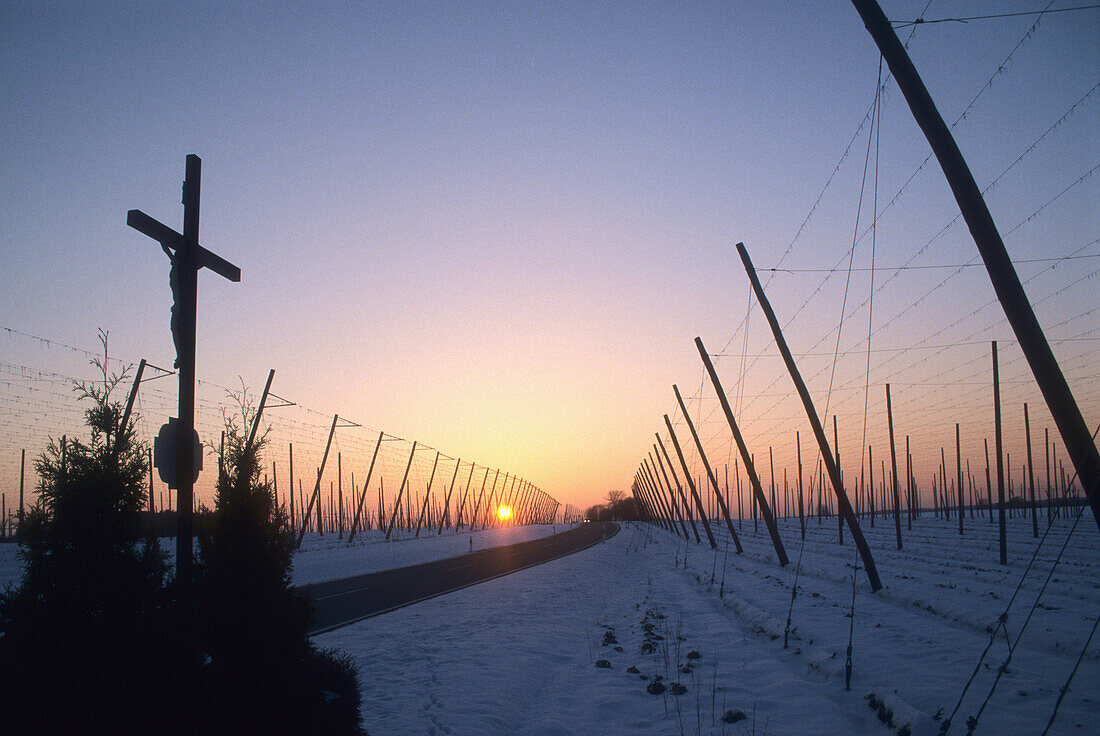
(661, 495)
(456, 495)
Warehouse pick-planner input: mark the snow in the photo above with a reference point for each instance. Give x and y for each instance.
(517, 654)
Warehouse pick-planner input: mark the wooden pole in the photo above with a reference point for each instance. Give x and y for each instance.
(1000, 462)
(1006, 283)
(743, 450)
(844, 507)
(445, 516)
(988, 480)
(710, 473)
(1031, 477)
(427, 495)
(959, 469)
(894, 465)
(366, 484)
(400, 492)
(315, 496)
(679, 489)
(691, 484)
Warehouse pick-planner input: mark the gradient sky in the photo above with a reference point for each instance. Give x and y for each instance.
(496, 228)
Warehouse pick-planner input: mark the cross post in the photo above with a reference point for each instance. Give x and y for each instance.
(187, 258)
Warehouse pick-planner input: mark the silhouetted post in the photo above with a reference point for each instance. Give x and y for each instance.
(445, 516)
(400, 491)
(988, 480)
(315, 496)
(477, 506)
(427, 495)
(844, 507)
(871, 485)
(959, 469)
(679, 489)
(366, 484)
(691, 484)
(1063, 408)
(1031, 477)
(836, 458)
(187, 257)
(1000, 463)
(1049, 497)
(909, 481)
(740, 507)
(22, 464)
(462, 505)
(894, 465)
(293, 523)
(152, 508)
(750, 468)
(653, 489)
(654, 500)
(339, 497)
(710, 473)
(667, 495)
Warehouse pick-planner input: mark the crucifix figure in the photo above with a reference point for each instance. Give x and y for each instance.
(187, 257)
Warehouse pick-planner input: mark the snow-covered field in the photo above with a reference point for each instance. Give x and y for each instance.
(517, 655)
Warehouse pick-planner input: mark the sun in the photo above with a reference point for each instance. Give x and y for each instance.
(504, 513)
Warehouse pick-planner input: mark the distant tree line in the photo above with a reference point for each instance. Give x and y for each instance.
(619, 507)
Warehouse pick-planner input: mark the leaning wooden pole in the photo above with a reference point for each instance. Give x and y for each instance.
(400, 491)
(1000, 459)
(894, 467)
(710, 475)
(670, 499)
(844, 507)
(691, 484)
(366, 484)
(427, 495)
(1031, 477)
(653, 491)
(679, 488)
(260, 407)
(1006, 282)
(315, 496)
(754, 480)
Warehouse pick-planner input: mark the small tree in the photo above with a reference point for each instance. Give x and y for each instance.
(262, 673)
(80, 636)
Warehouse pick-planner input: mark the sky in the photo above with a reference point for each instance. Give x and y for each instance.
(496, 228)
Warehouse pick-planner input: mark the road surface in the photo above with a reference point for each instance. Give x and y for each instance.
(341, 602)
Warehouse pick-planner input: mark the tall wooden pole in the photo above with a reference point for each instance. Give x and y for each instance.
(679, 489)
(691, 484)
(1031, 477)
(315, 496)
(710, 474)
(1000, 460)
(427, 495)
(894, 465)
(959, 469)
(400, 492)
(366, 484)
(742, 448)
(844, 507)
(1006, 283)
(666, 492)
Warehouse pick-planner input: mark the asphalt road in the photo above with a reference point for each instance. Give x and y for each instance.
(341, 602)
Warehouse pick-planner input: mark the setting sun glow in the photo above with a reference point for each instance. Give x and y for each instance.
(504, 513)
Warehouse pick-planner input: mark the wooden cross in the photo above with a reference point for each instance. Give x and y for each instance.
(187, 258)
